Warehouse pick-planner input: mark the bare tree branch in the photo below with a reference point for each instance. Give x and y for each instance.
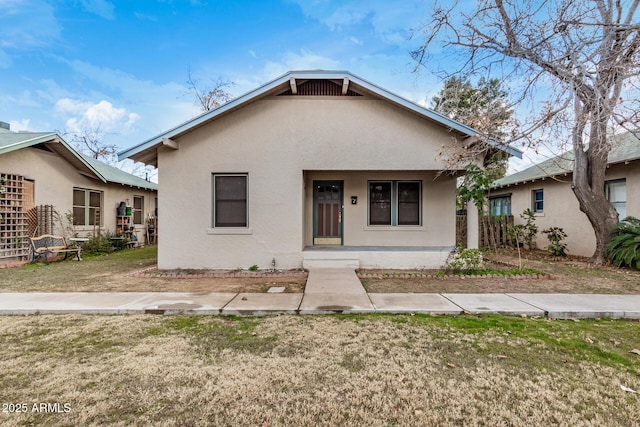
(580, 53)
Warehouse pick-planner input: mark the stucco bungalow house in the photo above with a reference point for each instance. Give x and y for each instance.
(545, 188)
(41, 168)
(315, 168)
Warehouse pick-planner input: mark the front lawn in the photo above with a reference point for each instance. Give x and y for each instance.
(374, 370)
(115, 273)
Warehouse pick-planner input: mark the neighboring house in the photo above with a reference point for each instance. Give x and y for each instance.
(545, 188)
(313, 168)
(40, 168)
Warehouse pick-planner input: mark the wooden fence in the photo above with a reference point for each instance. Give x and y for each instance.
(492, 230)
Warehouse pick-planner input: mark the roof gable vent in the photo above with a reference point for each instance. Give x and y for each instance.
(319, 87)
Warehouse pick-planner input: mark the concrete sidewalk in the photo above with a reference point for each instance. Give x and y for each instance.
(556, 306)
(327, 291)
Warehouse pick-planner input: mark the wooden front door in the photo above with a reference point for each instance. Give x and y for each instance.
(327, 212)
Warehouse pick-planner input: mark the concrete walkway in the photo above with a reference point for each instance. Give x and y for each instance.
(327, 291)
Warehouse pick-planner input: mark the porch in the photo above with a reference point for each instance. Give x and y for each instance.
(397, 257)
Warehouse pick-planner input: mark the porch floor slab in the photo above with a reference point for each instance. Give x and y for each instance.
(493, 303)
(413, 303)
(254, 304)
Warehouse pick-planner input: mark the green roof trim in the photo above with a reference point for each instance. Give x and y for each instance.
(627, 149)
(116, 175)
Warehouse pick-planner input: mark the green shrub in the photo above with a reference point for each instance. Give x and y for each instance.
(624, 248)
(254, 267)
(524, 234)
(556, 246)
(465, 260)
(100, 244)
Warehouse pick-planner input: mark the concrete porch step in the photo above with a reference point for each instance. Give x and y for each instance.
(330, 262)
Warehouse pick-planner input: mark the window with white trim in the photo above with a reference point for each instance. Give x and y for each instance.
(395, 203)
(87, 205)
(616, 193)
(230, 200)
(537, 197)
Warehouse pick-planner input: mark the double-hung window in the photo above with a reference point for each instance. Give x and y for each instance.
(138, 209)
(538, 200)
(87, 205)
(616, 192)
(395, 202)
(230, 200)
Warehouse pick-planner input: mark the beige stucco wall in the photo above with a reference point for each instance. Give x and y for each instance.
(561, 207)
(55, 179)
(283, 143)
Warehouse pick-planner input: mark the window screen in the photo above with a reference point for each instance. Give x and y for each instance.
(230, 200)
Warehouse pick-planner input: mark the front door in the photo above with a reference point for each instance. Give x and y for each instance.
(327, 212)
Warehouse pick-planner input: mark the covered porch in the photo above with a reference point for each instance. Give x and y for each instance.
(378, 219)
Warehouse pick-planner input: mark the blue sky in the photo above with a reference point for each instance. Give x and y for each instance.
(123, 65)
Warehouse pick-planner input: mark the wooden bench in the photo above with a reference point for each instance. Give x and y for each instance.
(44, 245)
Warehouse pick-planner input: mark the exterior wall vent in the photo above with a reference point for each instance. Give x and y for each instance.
(321, 87)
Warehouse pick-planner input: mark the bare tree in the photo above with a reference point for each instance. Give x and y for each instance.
(210, 97)
(91, 142)
(580, 56)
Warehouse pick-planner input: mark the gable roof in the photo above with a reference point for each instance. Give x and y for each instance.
(288, 84)
(626, 149)
(86, 165)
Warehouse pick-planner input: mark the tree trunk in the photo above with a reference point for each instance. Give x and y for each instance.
(588, 186)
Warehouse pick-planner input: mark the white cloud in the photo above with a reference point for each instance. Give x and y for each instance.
(356, 40)
(253, 54)
(27, 24)
(391, 22)
(102, 8)
(18, 125)
(88, 116)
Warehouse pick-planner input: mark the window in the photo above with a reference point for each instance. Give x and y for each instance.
(616, 193)
(87, 205)
(230, 200)
(538, 201)
(138, 209)
(500, 205)
(380, 203)
(394, 202)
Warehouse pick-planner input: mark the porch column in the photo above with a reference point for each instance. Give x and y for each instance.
(473, 233)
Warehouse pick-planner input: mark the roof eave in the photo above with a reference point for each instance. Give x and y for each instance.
(146, 149)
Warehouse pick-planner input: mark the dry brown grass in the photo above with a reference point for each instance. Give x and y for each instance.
(116, 272)
(292, 370)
